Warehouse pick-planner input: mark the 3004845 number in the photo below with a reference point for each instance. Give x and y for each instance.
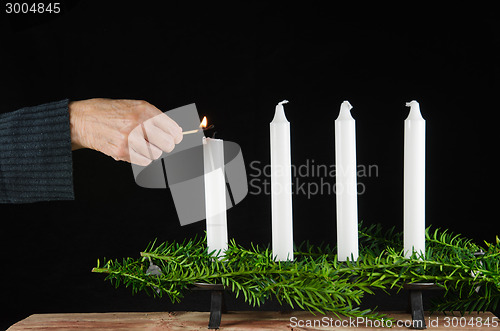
(32, 8)
(462, 322)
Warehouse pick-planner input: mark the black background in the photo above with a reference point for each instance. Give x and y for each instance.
(236, 63)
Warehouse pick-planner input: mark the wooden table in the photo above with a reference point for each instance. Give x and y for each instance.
(241, 320)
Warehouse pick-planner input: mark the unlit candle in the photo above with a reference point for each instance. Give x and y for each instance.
(281, 186)
(414, 182)
(346, 184)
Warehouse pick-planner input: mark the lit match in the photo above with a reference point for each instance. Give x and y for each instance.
(203, 126)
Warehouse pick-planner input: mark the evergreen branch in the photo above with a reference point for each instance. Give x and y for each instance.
(316, 281)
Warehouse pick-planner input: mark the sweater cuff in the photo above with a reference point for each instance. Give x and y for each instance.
(35, 154)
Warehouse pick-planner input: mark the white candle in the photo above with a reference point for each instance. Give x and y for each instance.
(414, 181)
(281, 186)
(215, 195)
(346, 184)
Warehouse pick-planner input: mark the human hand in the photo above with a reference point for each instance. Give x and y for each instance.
(128, 130)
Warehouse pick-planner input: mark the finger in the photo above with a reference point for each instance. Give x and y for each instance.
(167, 124)
(164, 122)
(139, 159)
(159, 138)
(138, 143)
(146, 149)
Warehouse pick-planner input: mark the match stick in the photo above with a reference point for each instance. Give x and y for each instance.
(200, 129)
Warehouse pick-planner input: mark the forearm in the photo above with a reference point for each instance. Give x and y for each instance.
(36, 143)
(35, 154)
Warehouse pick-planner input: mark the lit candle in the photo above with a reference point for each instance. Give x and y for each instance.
(281, 186)
(215, 195)
(414, 181)
(346, 184)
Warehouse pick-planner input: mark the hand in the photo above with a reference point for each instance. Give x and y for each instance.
(128, 130)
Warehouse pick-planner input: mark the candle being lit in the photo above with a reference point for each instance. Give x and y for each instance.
(215, 194)
(414, 182)
(346, 184)
(281, 186)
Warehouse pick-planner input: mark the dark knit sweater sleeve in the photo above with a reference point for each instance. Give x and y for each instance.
(35, 154)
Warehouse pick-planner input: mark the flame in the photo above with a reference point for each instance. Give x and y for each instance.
(203, 123)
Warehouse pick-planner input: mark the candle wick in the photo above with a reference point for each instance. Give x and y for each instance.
(411, 103)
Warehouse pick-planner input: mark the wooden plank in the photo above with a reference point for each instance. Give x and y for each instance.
(244, 320)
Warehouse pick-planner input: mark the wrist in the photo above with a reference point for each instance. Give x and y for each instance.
(75, 109)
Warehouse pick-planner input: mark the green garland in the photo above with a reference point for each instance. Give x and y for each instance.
(315, 280)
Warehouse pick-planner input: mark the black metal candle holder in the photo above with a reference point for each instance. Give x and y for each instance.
(217, 305)
(415, 301)
(416, 304)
